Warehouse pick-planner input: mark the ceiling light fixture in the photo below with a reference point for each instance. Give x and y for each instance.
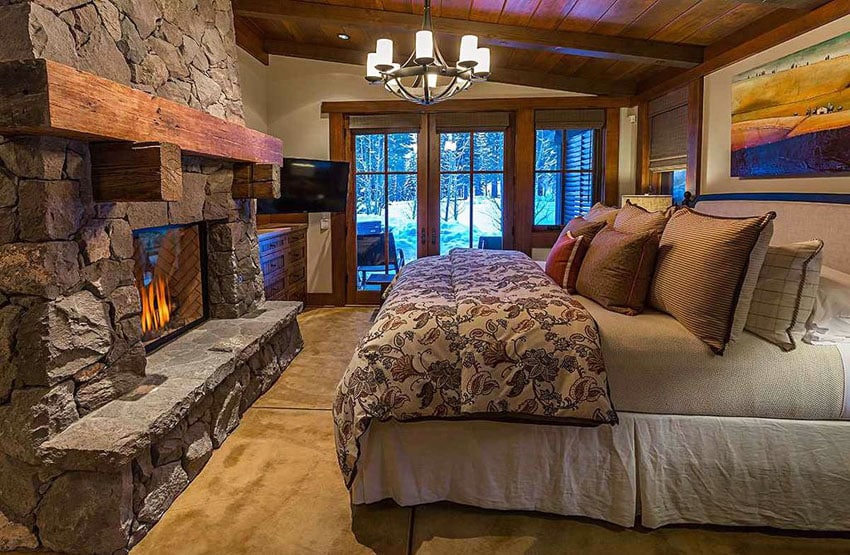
(425, 78)
(343, 36)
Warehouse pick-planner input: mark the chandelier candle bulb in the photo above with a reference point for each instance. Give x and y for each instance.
(483, 58)
(384, 51)
(432, 80)
(468, 51)
(424, 47)
(372, 73)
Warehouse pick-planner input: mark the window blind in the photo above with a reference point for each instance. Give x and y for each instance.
(472, 121)
(386, 121)
(668, 131)
(578, 187)
(569, 119)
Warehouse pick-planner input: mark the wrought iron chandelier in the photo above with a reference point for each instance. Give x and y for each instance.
(425, 78)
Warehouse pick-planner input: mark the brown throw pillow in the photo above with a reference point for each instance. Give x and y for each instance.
(580, 227)
(601, 213)
(636, 219)
(617, 270)
(702, 263)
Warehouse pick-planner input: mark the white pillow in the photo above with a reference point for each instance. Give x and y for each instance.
(830, 321)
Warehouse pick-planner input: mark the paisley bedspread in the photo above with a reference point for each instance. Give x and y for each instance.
(474, 334)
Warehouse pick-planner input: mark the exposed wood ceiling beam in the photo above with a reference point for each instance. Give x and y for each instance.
(250, 39)
(511, 36)
(499, 75)
(718, 59)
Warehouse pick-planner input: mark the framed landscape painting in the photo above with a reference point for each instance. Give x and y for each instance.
(791, 117)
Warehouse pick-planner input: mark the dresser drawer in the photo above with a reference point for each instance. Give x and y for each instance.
(272, 243)
(272, 265)
(276, 289)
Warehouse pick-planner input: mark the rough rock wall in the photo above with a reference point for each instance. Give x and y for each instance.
(183, 50)
(70, 333)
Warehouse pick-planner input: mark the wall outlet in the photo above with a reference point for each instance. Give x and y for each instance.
(632, 118)
(325, 224)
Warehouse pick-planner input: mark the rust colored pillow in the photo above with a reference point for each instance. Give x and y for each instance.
(564, 261)
(601, 213)
(580, 227)
(617, 270)
(636, 219)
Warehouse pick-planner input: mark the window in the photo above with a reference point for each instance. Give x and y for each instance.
(472, 176)
(565, 176)
(385, 177)
(674, 182)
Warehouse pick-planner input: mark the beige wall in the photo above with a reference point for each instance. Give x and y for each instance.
(253, 78)
(718, 123)
(295, 90)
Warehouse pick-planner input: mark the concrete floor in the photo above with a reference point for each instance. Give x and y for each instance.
(274, 487)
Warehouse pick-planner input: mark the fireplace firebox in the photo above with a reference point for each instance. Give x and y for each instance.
(171, 276)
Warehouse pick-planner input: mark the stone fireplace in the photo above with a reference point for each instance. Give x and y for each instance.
(133, 335)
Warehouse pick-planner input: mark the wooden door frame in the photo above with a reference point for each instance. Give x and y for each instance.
(508, 182)
(353, 295)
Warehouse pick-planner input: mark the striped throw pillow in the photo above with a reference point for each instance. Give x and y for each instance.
(564, 261)
(636, 219)
(601, 213)
(702, 263)
(786, 292)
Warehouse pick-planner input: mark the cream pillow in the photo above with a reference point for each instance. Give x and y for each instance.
(830, 321)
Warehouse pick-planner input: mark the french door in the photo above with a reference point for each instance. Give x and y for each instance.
(422, 192)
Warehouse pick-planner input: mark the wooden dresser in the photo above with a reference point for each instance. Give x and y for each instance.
(283, 257)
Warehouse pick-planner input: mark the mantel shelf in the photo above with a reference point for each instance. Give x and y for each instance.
(42, 97)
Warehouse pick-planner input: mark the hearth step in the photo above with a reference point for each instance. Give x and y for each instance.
(192, 378)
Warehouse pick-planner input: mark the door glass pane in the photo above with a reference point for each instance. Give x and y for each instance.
(370, 217)
(545, 198)
(369, 153)
(487, 210)
(454, 212)
(489, 151)
(402, 217)
(454, 152)
(402, 150)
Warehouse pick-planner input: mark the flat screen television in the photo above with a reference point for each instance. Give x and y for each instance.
(309, 186)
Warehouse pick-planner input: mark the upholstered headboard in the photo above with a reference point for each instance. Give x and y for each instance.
(799, 217)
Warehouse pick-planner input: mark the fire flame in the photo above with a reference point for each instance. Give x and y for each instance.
(156, 304)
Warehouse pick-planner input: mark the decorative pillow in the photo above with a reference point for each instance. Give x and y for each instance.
(745, 300)
(830, 321)
(636, 219)
(702, 263)
(785, 294)
(564, 261)
(601, 213)
(580, 227)
(617, 270)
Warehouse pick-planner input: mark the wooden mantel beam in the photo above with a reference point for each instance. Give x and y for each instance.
(141, 172)
(499, 75)
(512, 36)
(42, 97)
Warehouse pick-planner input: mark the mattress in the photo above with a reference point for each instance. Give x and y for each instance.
(657, 366)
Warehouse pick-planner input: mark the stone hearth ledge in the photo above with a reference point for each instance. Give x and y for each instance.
(179, 376)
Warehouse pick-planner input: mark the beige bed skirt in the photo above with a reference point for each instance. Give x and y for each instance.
(650, 469)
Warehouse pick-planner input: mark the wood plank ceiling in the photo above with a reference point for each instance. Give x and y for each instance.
(616, 47)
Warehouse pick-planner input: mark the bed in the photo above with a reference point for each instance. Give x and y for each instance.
(757, 437)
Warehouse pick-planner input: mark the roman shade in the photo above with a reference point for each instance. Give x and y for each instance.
(569, 119)
(473, 121)
(668, 131)
(408, 122)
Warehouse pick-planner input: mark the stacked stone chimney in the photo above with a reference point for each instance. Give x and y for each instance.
(70, 334)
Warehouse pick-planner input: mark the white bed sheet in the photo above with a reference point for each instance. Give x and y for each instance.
(658, 469)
